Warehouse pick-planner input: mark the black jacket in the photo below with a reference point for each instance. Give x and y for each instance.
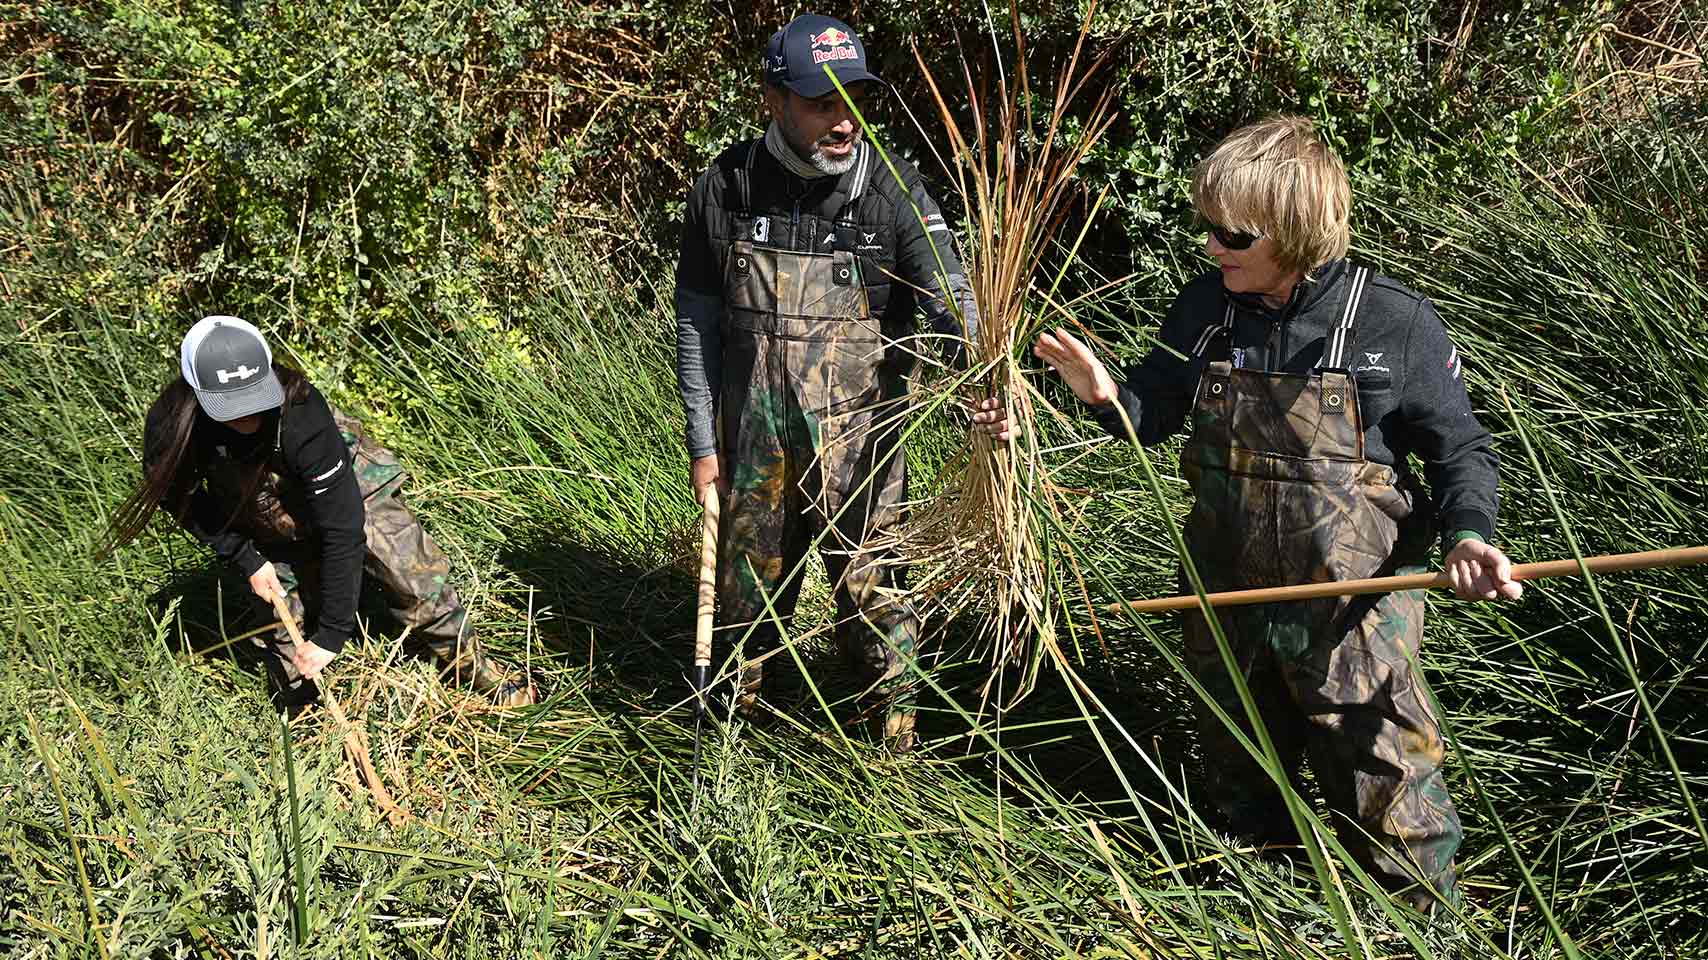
(1411, 390)
(303, 440)
(906, 252)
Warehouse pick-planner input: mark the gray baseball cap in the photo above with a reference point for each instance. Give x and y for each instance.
(229, 366)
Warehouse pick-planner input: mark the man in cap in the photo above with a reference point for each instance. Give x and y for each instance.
(803, 259)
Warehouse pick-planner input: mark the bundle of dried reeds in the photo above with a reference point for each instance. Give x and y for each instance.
(990, 543)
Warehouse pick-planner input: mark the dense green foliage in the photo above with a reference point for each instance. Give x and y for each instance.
(458, 219)
(330, 165)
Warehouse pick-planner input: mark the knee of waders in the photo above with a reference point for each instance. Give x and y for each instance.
(501, 684)
(880, 650)
(896, 726)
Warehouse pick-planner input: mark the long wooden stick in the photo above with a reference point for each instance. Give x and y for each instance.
(703, 621)
(1609, 563)
(708, 587)
(355, 739)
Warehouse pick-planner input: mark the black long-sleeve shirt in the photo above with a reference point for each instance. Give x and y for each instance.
(303, 439)
(1411, 391)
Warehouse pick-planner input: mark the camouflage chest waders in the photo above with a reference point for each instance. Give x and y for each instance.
(811, 422)
(1284, 495)
(411, 570)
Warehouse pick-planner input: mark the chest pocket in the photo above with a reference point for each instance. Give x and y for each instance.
(1375, 395)
(873, 247)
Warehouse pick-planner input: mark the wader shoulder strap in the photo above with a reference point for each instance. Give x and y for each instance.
(744, 179)
(859, 176)
(1214, 330)
(858, 179)
(1334, 351)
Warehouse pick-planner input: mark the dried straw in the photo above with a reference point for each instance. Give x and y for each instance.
(989, 543)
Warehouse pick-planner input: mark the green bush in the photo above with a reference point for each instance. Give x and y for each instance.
(316, 165)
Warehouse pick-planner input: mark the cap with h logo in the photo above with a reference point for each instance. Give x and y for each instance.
(796, 56)
(229, 366)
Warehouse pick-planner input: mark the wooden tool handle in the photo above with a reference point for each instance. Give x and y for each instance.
(1609, 563)
(283, 610)
(355, 740)
(708, 580)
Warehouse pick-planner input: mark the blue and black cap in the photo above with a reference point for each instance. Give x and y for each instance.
(796, 56)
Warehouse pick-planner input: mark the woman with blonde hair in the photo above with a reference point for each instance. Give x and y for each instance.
(1304, 383)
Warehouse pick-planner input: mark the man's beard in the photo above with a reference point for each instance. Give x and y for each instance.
(826, 165)
(815, 154)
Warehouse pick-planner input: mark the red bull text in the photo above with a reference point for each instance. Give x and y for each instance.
(840, 44)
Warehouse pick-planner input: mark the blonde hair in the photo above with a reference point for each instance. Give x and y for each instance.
(1276, 177)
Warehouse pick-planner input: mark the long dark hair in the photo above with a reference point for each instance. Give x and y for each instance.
(170, 472)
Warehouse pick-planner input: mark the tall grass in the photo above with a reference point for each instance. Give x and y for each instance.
(146, 812)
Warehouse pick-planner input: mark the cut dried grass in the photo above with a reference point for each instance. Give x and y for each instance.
(991, 543)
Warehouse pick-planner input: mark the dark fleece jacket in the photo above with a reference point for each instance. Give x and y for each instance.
(305, 444)
(1411, 389)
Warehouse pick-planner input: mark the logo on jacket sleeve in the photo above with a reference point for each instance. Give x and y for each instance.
(761, 229)
(327, 476)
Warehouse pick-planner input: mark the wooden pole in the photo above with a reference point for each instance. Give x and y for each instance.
(355, 741)
(1610, 563)
(703, 618)
(708, 589)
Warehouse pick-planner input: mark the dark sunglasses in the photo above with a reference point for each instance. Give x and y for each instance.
(1231, 239)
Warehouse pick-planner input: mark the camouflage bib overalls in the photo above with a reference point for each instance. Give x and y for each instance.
(1284, 495)
(411, 570)
(810, 422)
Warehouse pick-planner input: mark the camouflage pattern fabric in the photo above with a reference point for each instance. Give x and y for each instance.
(1284, 496)
(402, 558)
(810, 422)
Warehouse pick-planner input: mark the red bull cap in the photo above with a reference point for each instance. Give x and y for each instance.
(797, 54)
